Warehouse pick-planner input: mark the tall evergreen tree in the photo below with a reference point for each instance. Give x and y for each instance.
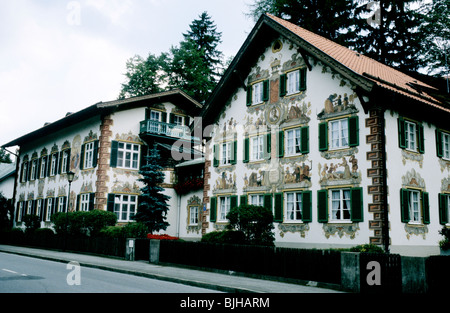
(153, 207)
(195, 65)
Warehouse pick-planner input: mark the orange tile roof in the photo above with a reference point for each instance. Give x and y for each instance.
(381, 74)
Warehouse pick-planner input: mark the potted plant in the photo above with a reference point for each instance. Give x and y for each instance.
(444, 244)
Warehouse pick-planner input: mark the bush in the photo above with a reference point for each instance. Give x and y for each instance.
(135, 230)
(88, 223)
(368, 248)
(444, 244)
(225, 236)
(32, 222)
(255, 222)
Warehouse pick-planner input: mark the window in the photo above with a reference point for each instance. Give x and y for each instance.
(89, 154)
(43, 169)
(293, 206)
(444, 208)
(257, 200)
(226, 153)
(443, 144)
(293, 82)
(155, 116)
(339, 134)
(62, 204)
(20, 209)
(39, 207)
(84, 202)
(293, 142)
(65, 161)
(343, 133)
(24, 174)
(340, 205)
(415, 206)
(411, 135)
(125, 207)
(346, 205)
(257, 148)
(30, 207)
(220, 207)
(53, 164)
(33, 169)
(128, 155)
(177, 120)
(258, 93)
(49, 208)
(193, 215)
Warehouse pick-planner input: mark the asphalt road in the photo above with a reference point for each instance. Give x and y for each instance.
(20, 274)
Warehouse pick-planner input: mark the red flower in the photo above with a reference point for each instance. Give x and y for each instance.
(161, 237)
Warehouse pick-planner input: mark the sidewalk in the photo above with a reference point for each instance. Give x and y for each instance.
(198, 278)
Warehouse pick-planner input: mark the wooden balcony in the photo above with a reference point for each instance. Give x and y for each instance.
(167, 130)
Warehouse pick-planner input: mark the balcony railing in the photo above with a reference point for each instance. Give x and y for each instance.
(167, 129)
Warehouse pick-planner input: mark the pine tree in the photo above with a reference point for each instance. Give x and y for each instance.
(153, 207)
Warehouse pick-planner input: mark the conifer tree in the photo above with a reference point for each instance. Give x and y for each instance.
(153, 207)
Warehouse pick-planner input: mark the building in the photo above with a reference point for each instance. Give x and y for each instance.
(343, 149)
(104, 145)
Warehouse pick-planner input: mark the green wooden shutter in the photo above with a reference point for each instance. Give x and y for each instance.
(283, 79)
(91, 201)
(304, 137)
(278, 211)
(356, 204)
(268, 201)
(213, 210)
(401, 133)
(243, 200)
(307, 206)
(95, 156)
(267, 145)
(421, 138)
(69, 151)
(303, 72)
(234, 152)
(323, 136)
(443, 208)
(187, 121)
(426, 207)
(114, 151)
(233, 202)
(78, 207)
(164, 117)
(216, 155)
(143, 156)
(322, 206)
(246, 150)
(249, 95)
(81, 156)
(404, 204)
(353, 131)
(110, 203)
(266, 90)
(171, 118)
(280, 143)
(439, 147)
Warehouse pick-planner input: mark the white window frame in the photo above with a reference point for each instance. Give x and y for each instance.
(224, 207)
(293, 145)
(53, 164)
(177, 120)
(293, 82)
(19, 213)
(411, 136)
(44, 161)
(65, 159)
(446, 146)
(128, 155)
(25, 171)
(339, 134)
(258, 93)
(84, 202)
(88, 155)
(415, 207)
(34, 169)
(193, 215)
(29, 207)
(49, 209)
(341, 205)
(256, 199)
(257, 148)
(125, 205)
(294, 206)
(38, 207)
(225, 149)
(61, 206)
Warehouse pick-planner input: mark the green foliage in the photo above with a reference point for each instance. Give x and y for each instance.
(83, 223)
(31, 222)
(225, 236)
(131, 230)
(6, 213)
(255, 222)
(368, 248)
(444, 244)
(153, 207)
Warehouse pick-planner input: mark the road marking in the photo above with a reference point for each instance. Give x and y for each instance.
(9, 271)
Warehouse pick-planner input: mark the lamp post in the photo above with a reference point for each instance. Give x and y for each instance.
(70, 177)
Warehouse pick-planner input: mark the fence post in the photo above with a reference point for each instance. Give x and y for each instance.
(154, 251)
(350, 271)
(130, 249)
(414, 278)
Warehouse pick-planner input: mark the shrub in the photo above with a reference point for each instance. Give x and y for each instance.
(112, 232)
(225, 236)
(444, 244)
(88, 223)
(368, 248)
(255, 222)
(135, 230)
(31, 221)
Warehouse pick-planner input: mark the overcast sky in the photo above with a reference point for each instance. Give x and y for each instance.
(61, 56)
